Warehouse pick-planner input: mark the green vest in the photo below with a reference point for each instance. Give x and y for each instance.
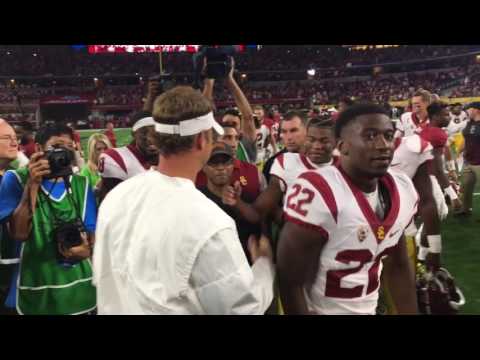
(93, 177)
(45, 286)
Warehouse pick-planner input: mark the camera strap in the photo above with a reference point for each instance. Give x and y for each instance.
(69, 196)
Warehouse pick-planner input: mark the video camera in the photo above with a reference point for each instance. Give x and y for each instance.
(218, 61)
(166, 82)
(60, 161)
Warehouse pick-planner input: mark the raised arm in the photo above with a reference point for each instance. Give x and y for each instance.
(248, 125)
(21, 220)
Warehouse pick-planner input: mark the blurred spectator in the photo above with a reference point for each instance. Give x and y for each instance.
(97, 144)
(110, 134)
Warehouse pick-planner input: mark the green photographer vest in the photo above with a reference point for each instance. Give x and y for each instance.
(45, 286)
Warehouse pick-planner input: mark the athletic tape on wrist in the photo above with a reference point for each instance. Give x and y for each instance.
(422, 253)
(451, 165)
(435, 243)
(451, 193)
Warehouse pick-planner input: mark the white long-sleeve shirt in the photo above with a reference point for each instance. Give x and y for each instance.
(162, 247)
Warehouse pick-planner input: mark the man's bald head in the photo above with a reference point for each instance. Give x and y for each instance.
(5, 126)
(8, 141)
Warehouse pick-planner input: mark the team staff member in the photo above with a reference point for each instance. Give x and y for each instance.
(471, 171)
(172, 250)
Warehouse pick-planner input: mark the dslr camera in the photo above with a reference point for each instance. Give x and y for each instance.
(60, 161)
(67, 235)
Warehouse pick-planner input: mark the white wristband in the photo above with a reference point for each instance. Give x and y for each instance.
(422, 253)
(451, 193)
(435, 243)
(451, 165)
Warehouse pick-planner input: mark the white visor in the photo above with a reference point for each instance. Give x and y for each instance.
(148, 121)
(191, 127)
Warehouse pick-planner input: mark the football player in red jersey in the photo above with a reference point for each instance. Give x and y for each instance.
(439, 115)
(346, 222)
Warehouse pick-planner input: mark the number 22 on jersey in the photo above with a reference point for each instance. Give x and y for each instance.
(297, 201)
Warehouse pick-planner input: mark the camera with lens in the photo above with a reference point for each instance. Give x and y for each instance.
(60, 161)
(68, 235)
(218, 61)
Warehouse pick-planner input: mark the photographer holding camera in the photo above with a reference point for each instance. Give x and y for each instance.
(245, 125)
(52, 217)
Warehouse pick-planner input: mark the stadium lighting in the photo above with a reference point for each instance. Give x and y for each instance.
(311, 72)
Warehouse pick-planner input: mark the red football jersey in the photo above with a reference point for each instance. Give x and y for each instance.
(435, 136)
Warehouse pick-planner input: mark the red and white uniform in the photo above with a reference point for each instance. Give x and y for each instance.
(412, 151)
(122, 163)
(350, 263)
(435, 136)
(288, 166)
(262, 135)
(410, 124)
(457, 123)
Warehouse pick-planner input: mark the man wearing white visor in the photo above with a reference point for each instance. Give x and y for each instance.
(119, 164)
(162, 246)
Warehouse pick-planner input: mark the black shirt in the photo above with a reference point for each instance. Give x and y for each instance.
(471, 133)
(269, 163)
(244, 228)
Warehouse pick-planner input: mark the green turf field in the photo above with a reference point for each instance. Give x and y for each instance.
(461, 254)
(461, 241)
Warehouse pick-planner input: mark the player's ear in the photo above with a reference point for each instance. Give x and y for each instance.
(199, 141)
(202, 139)
(343, 147)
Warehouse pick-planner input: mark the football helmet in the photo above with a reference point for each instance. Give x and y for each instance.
(438, 294)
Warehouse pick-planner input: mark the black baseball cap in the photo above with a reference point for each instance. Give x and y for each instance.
(220, 148)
